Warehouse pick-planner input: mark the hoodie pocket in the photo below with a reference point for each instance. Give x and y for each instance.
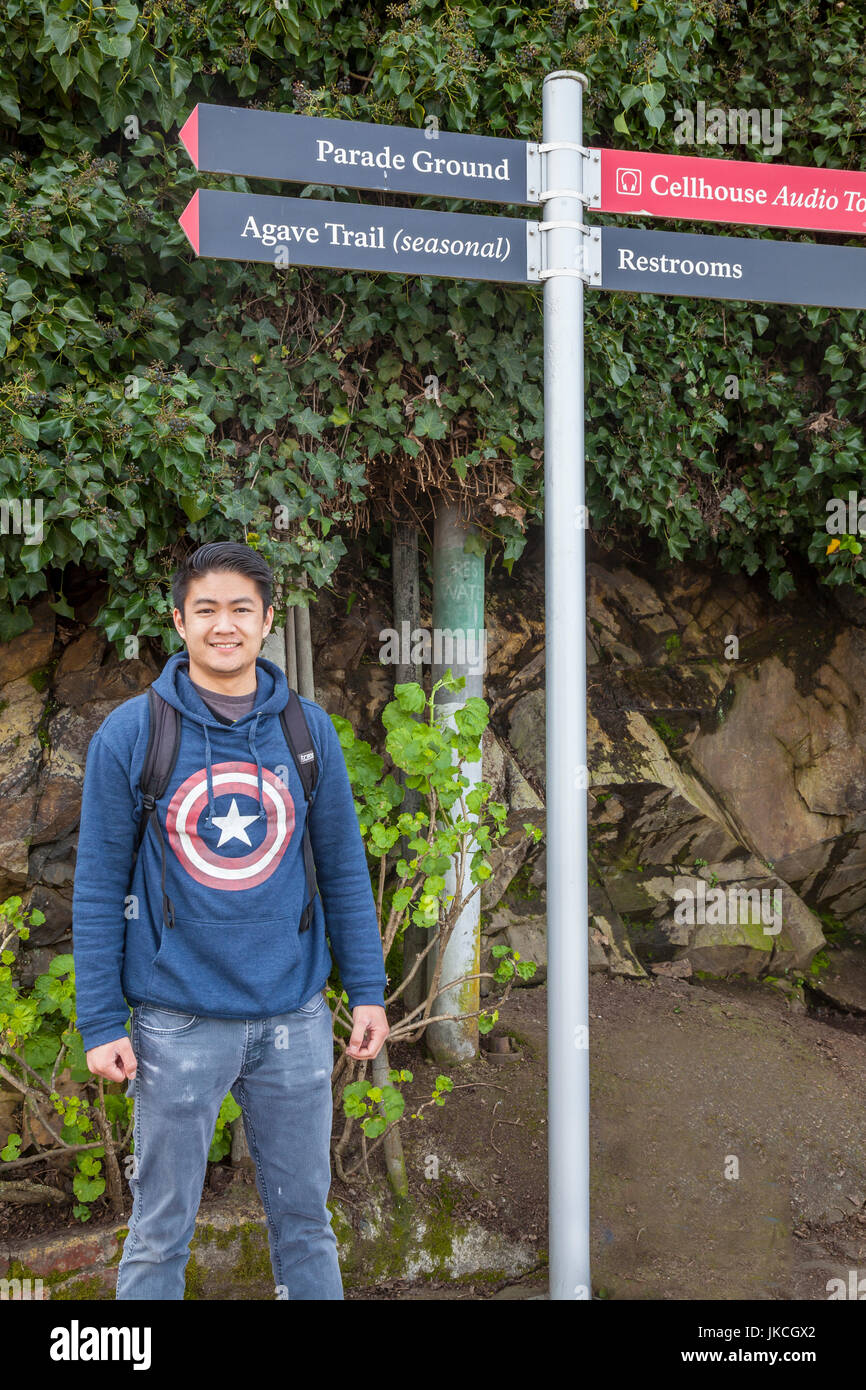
(236, 969)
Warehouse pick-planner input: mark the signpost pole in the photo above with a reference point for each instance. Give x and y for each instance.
(565, 681)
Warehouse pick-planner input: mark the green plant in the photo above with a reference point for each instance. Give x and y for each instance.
(221, 1143)
(521, 884)
(39, 1044)
(666, 732)
(375, 1106)
(834, 930)
(453, 816)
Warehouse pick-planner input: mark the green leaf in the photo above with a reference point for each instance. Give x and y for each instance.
(10, 106)
(195, 505)
(115, 45)
(619, 371)
(12, 1148)
(74, 309)
(308, 422)
(88, 1189)
(28, 428)
(410, 697)
(374, 1125)
(61, 965)
(61, 34)
(65, 68)
(19, 289)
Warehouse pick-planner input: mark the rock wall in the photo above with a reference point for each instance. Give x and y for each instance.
(58, 681)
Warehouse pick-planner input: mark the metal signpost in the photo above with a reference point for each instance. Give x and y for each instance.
(565, 690)
(566, 255)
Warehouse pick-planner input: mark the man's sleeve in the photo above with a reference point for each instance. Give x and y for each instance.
(102, 872)
(343, 877)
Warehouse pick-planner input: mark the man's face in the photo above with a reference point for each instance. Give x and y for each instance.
(222, 623)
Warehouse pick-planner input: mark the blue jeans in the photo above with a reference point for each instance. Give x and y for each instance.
(279, 1072)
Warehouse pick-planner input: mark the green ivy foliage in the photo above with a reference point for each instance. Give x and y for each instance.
(154, 401)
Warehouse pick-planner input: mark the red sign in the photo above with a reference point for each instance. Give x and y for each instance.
(727, 190)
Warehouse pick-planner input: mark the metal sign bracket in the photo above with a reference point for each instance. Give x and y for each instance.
(588, 253)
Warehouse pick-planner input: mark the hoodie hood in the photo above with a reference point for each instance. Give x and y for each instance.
(272, 693)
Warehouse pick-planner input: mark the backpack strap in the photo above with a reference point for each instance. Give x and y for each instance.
(300, 742)
(159, 761)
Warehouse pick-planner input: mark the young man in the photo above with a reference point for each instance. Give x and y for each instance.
(204, 942)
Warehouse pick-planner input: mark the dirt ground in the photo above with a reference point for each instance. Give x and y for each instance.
(728, 1139)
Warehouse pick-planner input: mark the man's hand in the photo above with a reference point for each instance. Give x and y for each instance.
(114, 1060)
(369, 1031)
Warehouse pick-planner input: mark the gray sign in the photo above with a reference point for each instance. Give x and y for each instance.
(355, 154)
(358, 236)
(722, 267)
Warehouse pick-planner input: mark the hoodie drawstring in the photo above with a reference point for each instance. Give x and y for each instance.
(253, 754)
(209, 774)
(262, 815)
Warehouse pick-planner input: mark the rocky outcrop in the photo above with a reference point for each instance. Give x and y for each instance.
(726, 761)
(58, 681)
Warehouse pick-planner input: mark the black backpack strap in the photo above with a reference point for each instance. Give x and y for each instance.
(159, 761)
(300, 742)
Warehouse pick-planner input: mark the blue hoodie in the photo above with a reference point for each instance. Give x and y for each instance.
(232, 821)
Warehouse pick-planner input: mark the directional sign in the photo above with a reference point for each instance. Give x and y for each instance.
(354, 154)
(727, 190)
(720, 267)
(358, 236)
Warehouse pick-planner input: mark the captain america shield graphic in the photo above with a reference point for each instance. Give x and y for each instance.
(240, 851)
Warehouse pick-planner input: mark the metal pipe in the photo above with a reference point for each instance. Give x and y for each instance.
(565, 695)
(458, 618)
(407, 609)
(291, 652)
(304, 648)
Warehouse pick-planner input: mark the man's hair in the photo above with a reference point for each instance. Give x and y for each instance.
(219, 556)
